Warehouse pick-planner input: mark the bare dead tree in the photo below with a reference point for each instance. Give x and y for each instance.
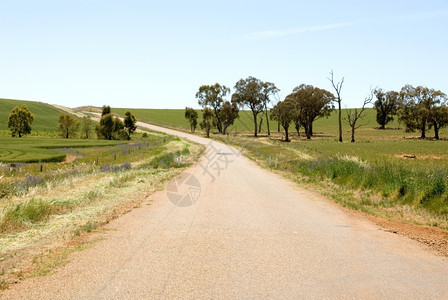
(354, 115)
(338, 87)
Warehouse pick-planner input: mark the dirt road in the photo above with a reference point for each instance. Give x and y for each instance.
(229, 229)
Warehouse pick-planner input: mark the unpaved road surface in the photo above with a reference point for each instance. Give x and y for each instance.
(239, 231)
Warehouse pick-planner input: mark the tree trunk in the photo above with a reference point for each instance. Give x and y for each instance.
(255, 124)
(219, 125)
(436, 131)
(297, 129)
(20, 134)
(353, 134)
(311, 129)
(261, 122)
(340, 121)
(66, 134)
(278, 128)
(382, 126)
(423, 129)
(286, 134)
(267, 122)
(307, 132)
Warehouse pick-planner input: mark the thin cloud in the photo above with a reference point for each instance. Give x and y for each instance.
(264, 35)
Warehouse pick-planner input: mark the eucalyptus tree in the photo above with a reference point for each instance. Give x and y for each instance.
(192, 116)
(20, 120)
(213, 96)
(68, 125)
(310, 103)
(283, 113)
(254, 94)
(418, 106)
(386, 106)
(229, 113)
(208, 121)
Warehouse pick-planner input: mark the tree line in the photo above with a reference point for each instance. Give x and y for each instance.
(109, 127)
(417, 108)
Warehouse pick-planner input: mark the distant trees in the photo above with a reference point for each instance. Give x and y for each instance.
(249, 92)
(386, 106)
(337, 86)
(213, 96)
(130, 123)
(229, 113)
(439, 119)
(68, 125)
(354, 115)
(112, 128)
(421, 108)
(310, 103)
(20, 120)
(105, 110)
(209, 120)
(86, 127)
(283, 113)
(192, 116)
(268, 89)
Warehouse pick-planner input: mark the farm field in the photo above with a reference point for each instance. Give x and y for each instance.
(30, 149)
(46, 116)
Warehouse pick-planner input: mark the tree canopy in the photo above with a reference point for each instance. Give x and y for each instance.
(418, 107)
(192, 116)
(283, 113)
(249, 92)
(20, 120)
(310, 103)
(130, 123)
(213, 96)
(208, 121)
(386, 106)
(68, 125)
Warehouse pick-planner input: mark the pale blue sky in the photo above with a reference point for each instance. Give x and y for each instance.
(156, 54)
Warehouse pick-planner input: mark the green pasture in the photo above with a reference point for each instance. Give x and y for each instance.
(43, 149)
(45, 116)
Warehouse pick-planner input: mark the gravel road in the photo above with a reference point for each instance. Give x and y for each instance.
(229, 229)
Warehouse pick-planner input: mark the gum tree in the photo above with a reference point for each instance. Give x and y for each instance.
(283, 113)
(208, 121)
(20, 120)
(68, 125)
(213, 96)
(249, 92)
(386, 106)
(192, 116)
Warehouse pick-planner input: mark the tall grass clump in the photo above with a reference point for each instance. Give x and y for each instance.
(16, 217)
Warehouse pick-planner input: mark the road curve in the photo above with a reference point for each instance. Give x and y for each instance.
(229, 229)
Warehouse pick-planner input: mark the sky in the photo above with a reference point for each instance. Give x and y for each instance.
(156, 54)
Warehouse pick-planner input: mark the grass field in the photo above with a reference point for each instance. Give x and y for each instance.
(42, 149)
(46, 116)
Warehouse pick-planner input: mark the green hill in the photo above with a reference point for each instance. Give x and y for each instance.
(45, 116)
